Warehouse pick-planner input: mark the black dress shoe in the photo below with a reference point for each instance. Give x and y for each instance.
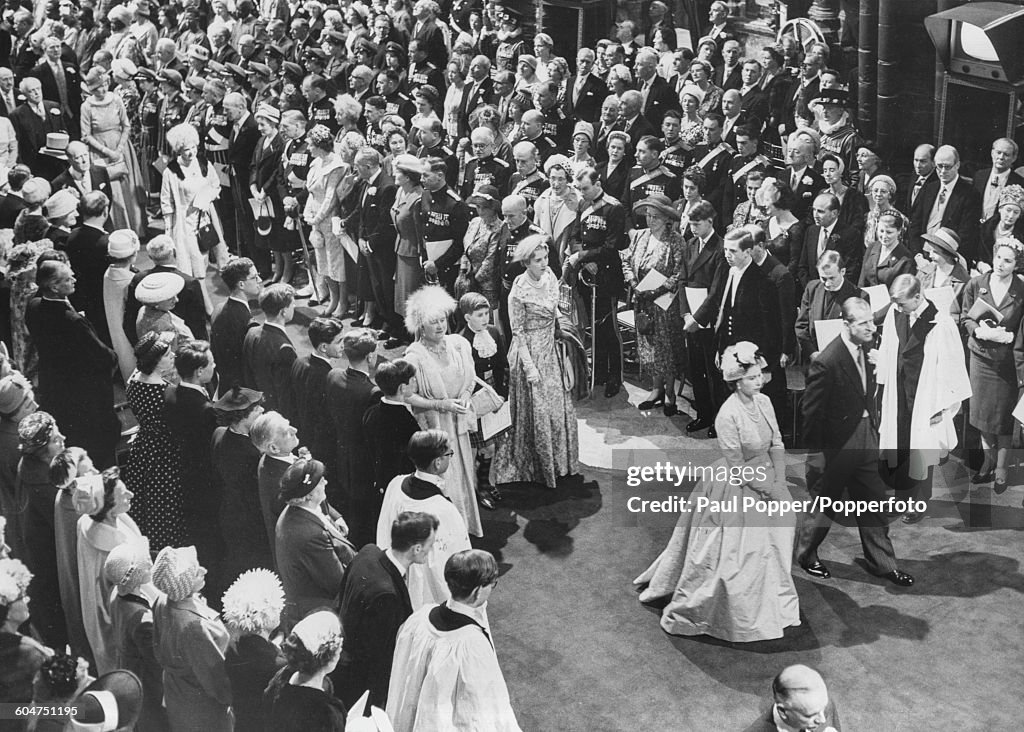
(999, 487)
(383, 335)
(979, 478)
(817, 569)
(486, 501)
(650, 404)
(913, 517)
(899, 578)
(697, 425)
(612, 388)
(712, 434)
(670, 409)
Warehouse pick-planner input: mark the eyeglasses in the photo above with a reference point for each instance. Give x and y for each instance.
(946, 166)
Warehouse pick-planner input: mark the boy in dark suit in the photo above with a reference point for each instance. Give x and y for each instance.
(233, 320)
(267, 351)
(374, 604)
(307, 394)
(389, 424)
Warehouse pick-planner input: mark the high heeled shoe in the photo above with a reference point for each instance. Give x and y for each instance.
(980, 477)
(999, 486)
(650, 404)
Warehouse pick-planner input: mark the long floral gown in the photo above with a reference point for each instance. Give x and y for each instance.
(543, 442)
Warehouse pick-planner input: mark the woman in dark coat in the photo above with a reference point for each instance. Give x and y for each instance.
(615, 172)
(264, 185)
(997, 367)
(300, 698)
(236, 461)
(41, 441)
(252, 611)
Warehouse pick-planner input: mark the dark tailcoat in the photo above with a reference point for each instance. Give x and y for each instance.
(227, 334)
(962, 214)
(87, 253)
(845, 241)
(267, 356)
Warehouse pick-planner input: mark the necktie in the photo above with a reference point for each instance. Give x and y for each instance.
(62, 83)
(917, 189)
(822, 241)
(942, 197)
(862, 371)
(794, 181)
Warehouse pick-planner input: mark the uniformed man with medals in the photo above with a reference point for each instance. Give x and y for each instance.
(649, 178)
(527, 181)
(432, 145)
(678, 154)
(295, 160)
(747, 159)
(445, 220)
(485, 169)
(214, 136)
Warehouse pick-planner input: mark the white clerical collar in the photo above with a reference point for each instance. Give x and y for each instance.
(391, 556)
(430, 478)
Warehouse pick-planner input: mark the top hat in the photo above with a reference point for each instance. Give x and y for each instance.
(56, 145)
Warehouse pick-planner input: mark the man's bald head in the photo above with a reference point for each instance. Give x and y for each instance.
(514, 206)
(800, 695)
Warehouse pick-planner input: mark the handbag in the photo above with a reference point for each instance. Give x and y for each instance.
(644, 322)
(485, 400)
(117, 171)
(206, 234)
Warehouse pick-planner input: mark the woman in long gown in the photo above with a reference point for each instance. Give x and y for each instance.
(325, 173)
(543, 443)
(441, 391)
(728, 573)
(106, 129)
(153, 472)
(785, 231)
(405, 212)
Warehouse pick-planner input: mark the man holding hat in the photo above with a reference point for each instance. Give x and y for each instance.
(34, 121)
(838, 135)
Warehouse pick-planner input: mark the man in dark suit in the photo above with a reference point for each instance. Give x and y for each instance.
(8, 97)
(87, 254)
(823, 299)
(702, 265)
(657, 95)
(191, 305)
(841, 427)
(376, 238)
(267, 351)
(802, 178)
(783, 282)
(948, 201)
(479, 89)
(307, 399)
(631, 121)
(428, 35)
(311, 549)
(232, 320)
(753, 99)
(729, 74)
(348, 394)
(60, 81)
(33, 120)
(75, 367)
(826, 234)
(989, 182)
(12, 204)
(800, 702)
(587, 90)
(191, 421)
(22, 55)
(796, 112)
(924, 173)
(746, 303)
(389, 424)
(374, 604)
(241, 146)
(83, 177)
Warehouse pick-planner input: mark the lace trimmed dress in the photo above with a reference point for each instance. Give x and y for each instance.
(153, 472)
(543, 443)
(321, 206)
(728, 573)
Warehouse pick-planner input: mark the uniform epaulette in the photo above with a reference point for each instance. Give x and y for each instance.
(447, 150)
(763, 160)
(549, 140)
(667, 172)
(612, 200)
(453, 195)
(501, 161)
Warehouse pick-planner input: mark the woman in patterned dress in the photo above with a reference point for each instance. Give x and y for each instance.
(658, 248)
(481, 246)
(405, 212)
(325, 173)
(124, 72)
(153, 472)
(542, 444)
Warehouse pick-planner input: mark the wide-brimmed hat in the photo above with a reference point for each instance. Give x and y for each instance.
(584, 128)
(238, 399)
(301, 478)
(56, 145)
(14, 390)
(657, 202)
(122, 243)
(945, 239)
(268, 112)
(111, 702)
(60, 204)
(158, 287)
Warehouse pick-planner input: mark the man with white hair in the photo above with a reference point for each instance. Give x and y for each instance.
(166, 57)
(656, 93)
(631, 120)
(33, 120)
(478, 90)
(838, 135)
(485, 169)
(428, 33)
(528, 181)
(587, 91)
(800, 703)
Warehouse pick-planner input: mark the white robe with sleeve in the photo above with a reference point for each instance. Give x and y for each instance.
(426, 581)
(447, 681)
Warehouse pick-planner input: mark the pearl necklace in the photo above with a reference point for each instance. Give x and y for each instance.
(441, 349)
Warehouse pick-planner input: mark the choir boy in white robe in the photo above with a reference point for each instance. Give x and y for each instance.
(445, 674)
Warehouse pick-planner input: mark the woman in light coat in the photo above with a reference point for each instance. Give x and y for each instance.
(555, 208)
(190, 186)
(122, 247)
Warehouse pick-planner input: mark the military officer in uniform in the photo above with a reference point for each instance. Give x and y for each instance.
(747, 159)
(485, 169)
(677, 155)
(388, 82)
(649, 177)
(321, 108)
(533, 131)
(338, 64)
(554, 124)
(373, 112)
(421, 71)
(214, 137)
(149, 111)
(516, 227)
(263, 87)
(596, 238)
(445, 220)
(432, 145)
(295, 160)
(527, 181)
(172, 112)
(714, 157)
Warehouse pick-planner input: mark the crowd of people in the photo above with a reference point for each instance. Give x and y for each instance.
(428, 178)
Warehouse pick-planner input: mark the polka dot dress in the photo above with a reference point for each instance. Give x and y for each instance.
(153, 472)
